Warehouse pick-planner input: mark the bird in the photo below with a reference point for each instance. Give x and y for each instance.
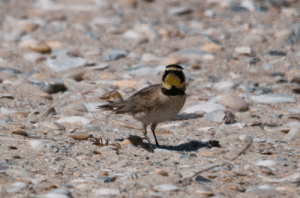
(156, 103)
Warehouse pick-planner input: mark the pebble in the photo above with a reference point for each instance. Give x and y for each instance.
(131, 35)
(202, 190)
(178, 11)
(18, 173)
(147, 30)
(27, 25)
(39, 47)
(142, 70)
(209, 13)
(51, 85)
(74, 119)
(106, 192)
(246, 138)
(286, 188)
(10, 70)
(225, 85)
(261, 193)
(268, 67)
(293, 134)
(17, 187)
(267, 163)
(3, 192)
(273, 98)
(244, 50)
(36, 144)
(215, 116)
(234, 102)
(62, 61)
(204, 107)
(200, 179)
(34, 57)
(156, 195)
(267, 187)
(194, 55)
(166, 188)
(114, 55)
(211, 47)
(150, 57)
(59, 193)
(15, 35)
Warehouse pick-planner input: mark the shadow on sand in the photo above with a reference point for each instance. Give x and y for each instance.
(193, 145)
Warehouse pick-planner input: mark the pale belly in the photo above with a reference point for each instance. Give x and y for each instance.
(162, 113)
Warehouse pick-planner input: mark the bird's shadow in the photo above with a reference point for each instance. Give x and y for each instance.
(193, 145)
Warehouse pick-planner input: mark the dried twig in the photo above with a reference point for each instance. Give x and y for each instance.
(125, 124)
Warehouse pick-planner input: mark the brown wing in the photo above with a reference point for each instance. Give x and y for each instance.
(140, 101)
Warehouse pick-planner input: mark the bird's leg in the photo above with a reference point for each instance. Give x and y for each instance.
(153, 126)
(146, 136)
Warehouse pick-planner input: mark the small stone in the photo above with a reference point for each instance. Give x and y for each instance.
(286, 188)
(62, 61)
(238, 188)
(34, 57)
(36, 144)
(293, 134)
(262, 193)
(202, 190)
(77, 76)
(106, 21)
(17, 187)
(125, 83)
(27, 25)
(267, 163)
(234, 102)
(18, 173)
(215, 116)
(211, 47)
(166, 188)
(59, 193)
(273, 98)
(209, 13)
(244, 50)
(74, 119)
(40, 47)
(80, 107)
(178, 11)
(15, 35)
(238, 9)
(246, 138)
(267, 187)
(268, 67)
(131, 35)
(249, 4)
(51, 85)
(114, 55)
(107, 192)
(225, 85)
(133, 140)
(171, 61)
(150, 57)
(10, 70)
(202, 180)
(142, 70)
(276, 53)
(147, 30)
(204, 107)
(3, 192)
(163, 173)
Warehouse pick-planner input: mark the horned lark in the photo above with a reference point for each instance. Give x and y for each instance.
(156, 103)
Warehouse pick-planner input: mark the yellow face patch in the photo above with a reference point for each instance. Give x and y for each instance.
(172, 80)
